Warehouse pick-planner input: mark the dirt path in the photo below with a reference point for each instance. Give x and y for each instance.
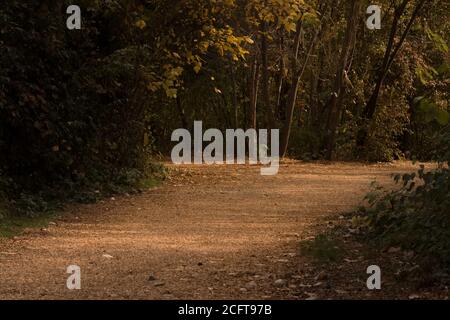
(211, 232)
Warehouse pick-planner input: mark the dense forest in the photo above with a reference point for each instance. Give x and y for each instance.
(85, 113)
(77, 105)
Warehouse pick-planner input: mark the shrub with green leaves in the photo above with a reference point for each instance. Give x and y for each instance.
(415, 217)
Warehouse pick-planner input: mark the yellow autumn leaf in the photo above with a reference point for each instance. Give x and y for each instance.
(249, 40)
(197, 67)
(290, 26)
(140, 24)
(171, 92)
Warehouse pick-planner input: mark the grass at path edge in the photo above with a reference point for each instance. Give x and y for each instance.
(13, 224)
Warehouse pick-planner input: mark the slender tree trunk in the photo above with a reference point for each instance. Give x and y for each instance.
(390, 54)
(336, 100)
(280, 85)
(268, 109)
(293, 90)
(235, 99)
(253, 86)
(313, 99)
(184, 122)
(372, 102)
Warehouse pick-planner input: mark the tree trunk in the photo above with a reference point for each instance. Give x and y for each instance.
(372, 102)
(270, 119)
(389, 57)
(293, 90)
(235, 99)
(253, 86)
(280, 82)
(184, 122)
(336, 100)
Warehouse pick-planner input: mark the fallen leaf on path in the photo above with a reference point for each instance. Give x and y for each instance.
(159, 283)
(351, 260)
(340, 291)
(321, 276)
(280, 283)
(318, 284)
(311, 296)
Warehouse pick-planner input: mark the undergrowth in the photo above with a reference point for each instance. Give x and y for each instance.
(323, 249)
(25, 208)
(416, 217)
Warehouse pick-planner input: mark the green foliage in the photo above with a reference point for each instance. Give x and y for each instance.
(81, 113)
(416, 217)
(390, 123)
(429, 111)
(75, 119)
(438, 41)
